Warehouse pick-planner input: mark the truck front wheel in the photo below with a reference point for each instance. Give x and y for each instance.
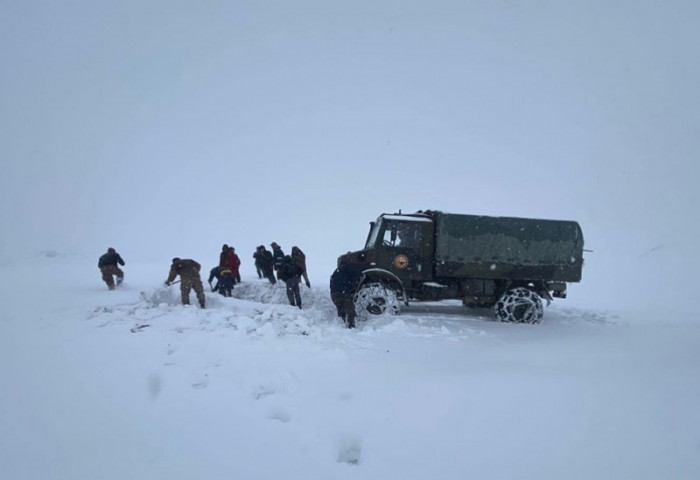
(519, 305)
(376, 299)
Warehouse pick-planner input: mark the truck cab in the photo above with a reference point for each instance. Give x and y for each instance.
(403, 245)
(398, 254)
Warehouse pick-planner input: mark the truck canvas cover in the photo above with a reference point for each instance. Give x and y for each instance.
(507, 247)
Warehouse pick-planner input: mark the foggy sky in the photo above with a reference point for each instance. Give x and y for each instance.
(167, 128)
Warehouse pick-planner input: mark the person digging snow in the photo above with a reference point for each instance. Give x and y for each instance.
(224, 280)
(190, 279)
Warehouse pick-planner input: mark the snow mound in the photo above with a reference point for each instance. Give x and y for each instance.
(257, 310)
(264, 292)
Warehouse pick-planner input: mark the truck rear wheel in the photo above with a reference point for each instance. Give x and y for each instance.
(376, 299)
(519, 305)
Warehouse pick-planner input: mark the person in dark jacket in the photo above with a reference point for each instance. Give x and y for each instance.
(278, 255)
(257, 257)
(267, 264)
(108, 265)
(224, 280)
(344, 281)
(190, 279)
(300, 259)
(290, 273)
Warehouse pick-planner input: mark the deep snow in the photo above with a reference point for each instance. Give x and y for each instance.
(107, 384)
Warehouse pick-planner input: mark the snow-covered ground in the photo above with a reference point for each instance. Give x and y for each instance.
(114, 385)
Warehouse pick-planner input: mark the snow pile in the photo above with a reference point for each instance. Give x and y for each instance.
(263, 291)
(162, 308)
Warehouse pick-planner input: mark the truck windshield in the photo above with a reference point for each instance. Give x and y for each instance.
(398, 232)
(402, 234)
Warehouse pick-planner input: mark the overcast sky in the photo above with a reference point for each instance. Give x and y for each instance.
(167, 128)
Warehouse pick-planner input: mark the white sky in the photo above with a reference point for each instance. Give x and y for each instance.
(168, 128)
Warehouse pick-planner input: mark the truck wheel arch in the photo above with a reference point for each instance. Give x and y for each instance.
(387, 278)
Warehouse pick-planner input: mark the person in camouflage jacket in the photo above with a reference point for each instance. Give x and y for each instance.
(190, 279)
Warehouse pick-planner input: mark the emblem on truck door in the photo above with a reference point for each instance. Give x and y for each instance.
(401, 261)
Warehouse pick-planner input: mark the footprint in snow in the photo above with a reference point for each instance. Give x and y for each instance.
(349, 451)
(204, 383)
(263, 391)
(280, 415)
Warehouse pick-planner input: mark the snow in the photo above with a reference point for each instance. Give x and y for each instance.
(406, 218)
(131, 384)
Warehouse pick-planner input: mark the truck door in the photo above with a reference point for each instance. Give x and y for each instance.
(408, 248)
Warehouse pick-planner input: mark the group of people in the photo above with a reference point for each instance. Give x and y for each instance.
(274, 266)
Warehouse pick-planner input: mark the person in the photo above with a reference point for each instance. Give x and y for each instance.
(224, 280)
(223, 256)
(234, 263)
(257, 256)
(290, 273)
(108, 265)
(190, 279)
(278, 255)
(214, 274)
(229, 259)
(343, 283)
(267, 264)
(300, 259)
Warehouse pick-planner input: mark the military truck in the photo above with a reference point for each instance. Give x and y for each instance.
(505, 263)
